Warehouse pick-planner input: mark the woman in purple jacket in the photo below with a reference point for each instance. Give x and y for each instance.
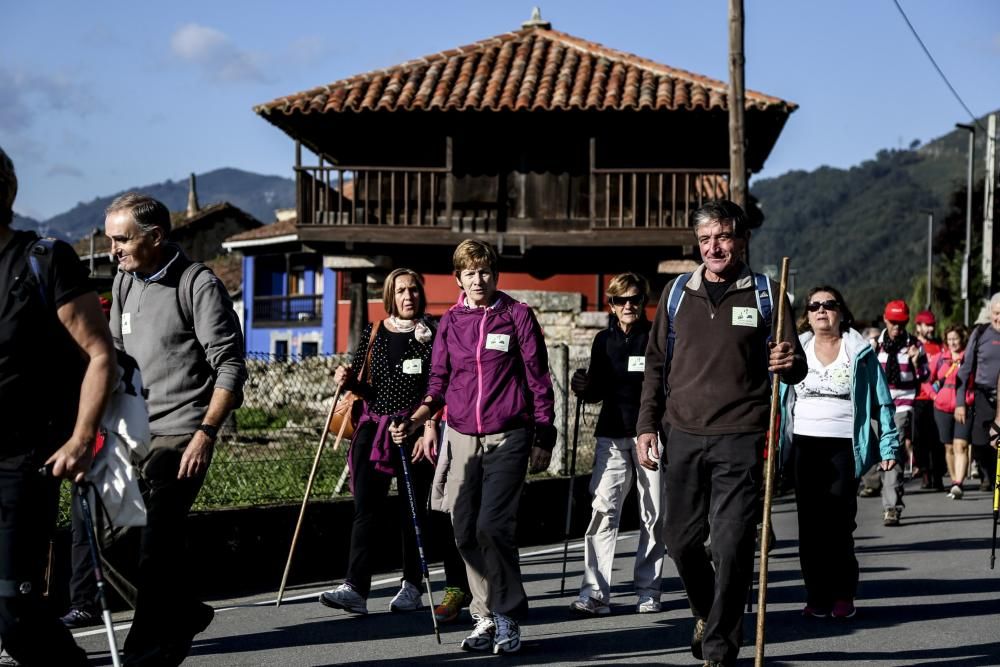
(490, 366)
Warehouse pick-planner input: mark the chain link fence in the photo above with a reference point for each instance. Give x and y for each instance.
(267, 447)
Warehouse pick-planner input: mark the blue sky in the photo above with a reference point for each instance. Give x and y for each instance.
(97, 97)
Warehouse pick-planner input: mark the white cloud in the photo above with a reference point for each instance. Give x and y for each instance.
(217, 56)
(24, 94)
(64, 170)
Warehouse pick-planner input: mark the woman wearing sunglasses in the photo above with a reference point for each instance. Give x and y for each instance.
(827, 418)
(617, 362)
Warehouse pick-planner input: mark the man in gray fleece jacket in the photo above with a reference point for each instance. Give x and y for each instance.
(174, 317)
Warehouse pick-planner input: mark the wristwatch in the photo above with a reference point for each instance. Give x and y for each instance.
(211, 431)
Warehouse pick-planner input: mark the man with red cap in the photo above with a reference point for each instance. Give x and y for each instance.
(928, 450)
(905, 365)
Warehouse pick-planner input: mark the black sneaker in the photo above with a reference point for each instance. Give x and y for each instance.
(81, 618)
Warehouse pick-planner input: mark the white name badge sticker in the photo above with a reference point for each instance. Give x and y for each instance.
(126, 323)
(412, 366)
(744, 317)
(636, 364)
(499, 342)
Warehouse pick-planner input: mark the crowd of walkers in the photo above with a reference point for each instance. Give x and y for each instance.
(458, 411)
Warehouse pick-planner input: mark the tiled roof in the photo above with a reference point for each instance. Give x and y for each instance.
(229, 269)
(532, 69)
(280, 228)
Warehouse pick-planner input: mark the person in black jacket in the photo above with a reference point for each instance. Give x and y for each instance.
(615, 377)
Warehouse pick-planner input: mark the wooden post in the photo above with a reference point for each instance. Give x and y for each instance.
(593, 181)
(359, 308)
(737, 139)
(299, 194)
(449, 186)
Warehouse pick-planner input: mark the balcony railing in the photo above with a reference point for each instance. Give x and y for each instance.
(651, 198)
(425, 197)
(301, 310)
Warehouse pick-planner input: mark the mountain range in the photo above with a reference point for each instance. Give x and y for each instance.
(863, 230)
(256, 194)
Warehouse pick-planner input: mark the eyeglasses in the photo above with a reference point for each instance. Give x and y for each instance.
(825, 305)
(634, 299)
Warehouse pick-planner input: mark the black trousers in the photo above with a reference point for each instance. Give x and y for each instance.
(165, 597)
(29, 630)
(982, 453)
(371, 488)
(713, 485)
(825, 492)
(82, 583)
(928, 450)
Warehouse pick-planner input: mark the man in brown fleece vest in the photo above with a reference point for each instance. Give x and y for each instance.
(711, 394)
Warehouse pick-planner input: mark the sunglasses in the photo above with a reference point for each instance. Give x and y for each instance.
(825, 305)
(634, 299)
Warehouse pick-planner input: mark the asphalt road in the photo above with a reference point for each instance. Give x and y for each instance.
(927, 597)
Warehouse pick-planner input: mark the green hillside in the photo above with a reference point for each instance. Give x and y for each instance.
(862, 229)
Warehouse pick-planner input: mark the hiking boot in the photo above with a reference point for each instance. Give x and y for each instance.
(507, 638)
(843, 609)
(956, 492)
(588, 606)
(481, 638)
(696, 638)
(407, 599)
(647, 604)
(346, 598)
(890, 517)
(868, 492)
(451, 605)
(81, 617)
(810, 611)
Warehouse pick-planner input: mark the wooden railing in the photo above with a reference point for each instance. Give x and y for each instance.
(350, 195)
(651, 198)
(303, 309)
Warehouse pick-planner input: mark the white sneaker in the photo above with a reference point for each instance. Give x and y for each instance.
(588, 606)
(481, 638)
(507, 638)
(956, 492)
(647, 605)
(346, 598)
(407, 599)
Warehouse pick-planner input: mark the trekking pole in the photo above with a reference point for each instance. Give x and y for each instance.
(996, 494)
(88, 520)
(416, 530)
(309, 484)
(569, 496)
(772, 454)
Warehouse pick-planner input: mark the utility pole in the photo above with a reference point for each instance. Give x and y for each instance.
(930, 254)
(971, 129)
(737, 139)
(989, 203)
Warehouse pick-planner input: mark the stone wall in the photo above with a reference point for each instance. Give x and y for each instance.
(565, 324)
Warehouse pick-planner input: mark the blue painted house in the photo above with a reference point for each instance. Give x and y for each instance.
(289, 297)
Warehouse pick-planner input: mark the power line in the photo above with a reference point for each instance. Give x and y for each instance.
(934, 62)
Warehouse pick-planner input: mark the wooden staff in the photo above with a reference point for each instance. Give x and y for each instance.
(309, 484)
(772, 455)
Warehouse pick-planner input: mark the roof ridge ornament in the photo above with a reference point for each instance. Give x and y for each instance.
(536, 21)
